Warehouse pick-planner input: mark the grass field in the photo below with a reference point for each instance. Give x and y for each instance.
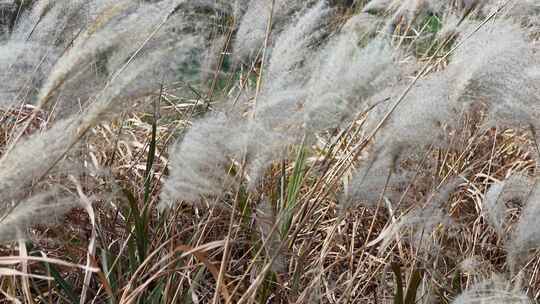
(269, 151)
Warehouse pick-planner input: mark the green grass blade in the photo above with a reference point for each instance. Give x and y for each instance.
(293, 188)
(412, 289)
(62, 284)
(398, 297)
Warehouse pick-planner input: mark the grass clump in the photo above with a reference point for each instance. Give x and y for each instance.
(188, 151)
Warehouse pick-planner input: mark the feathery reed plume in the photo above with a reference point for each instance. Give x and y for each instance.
(239, 8)
(297, 42)
(43, 208)
(377, 6)
(279, 114)
(524, 12)
(494, 77)
(252, 28)
(35, 156)
(124, 53)
(406, 11)
(489, 69)
(374, 180)
(123, 33)
(201, 162)
(415, 122)
(515, 188)
(263, 137)
(413, 128)
(348, 75)
(47, 30)
(8, 14)
(22, 74)
(495, 290)
(54, 23)
(524, 237)
(32, 158)
(423, 221)
(364, 25)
